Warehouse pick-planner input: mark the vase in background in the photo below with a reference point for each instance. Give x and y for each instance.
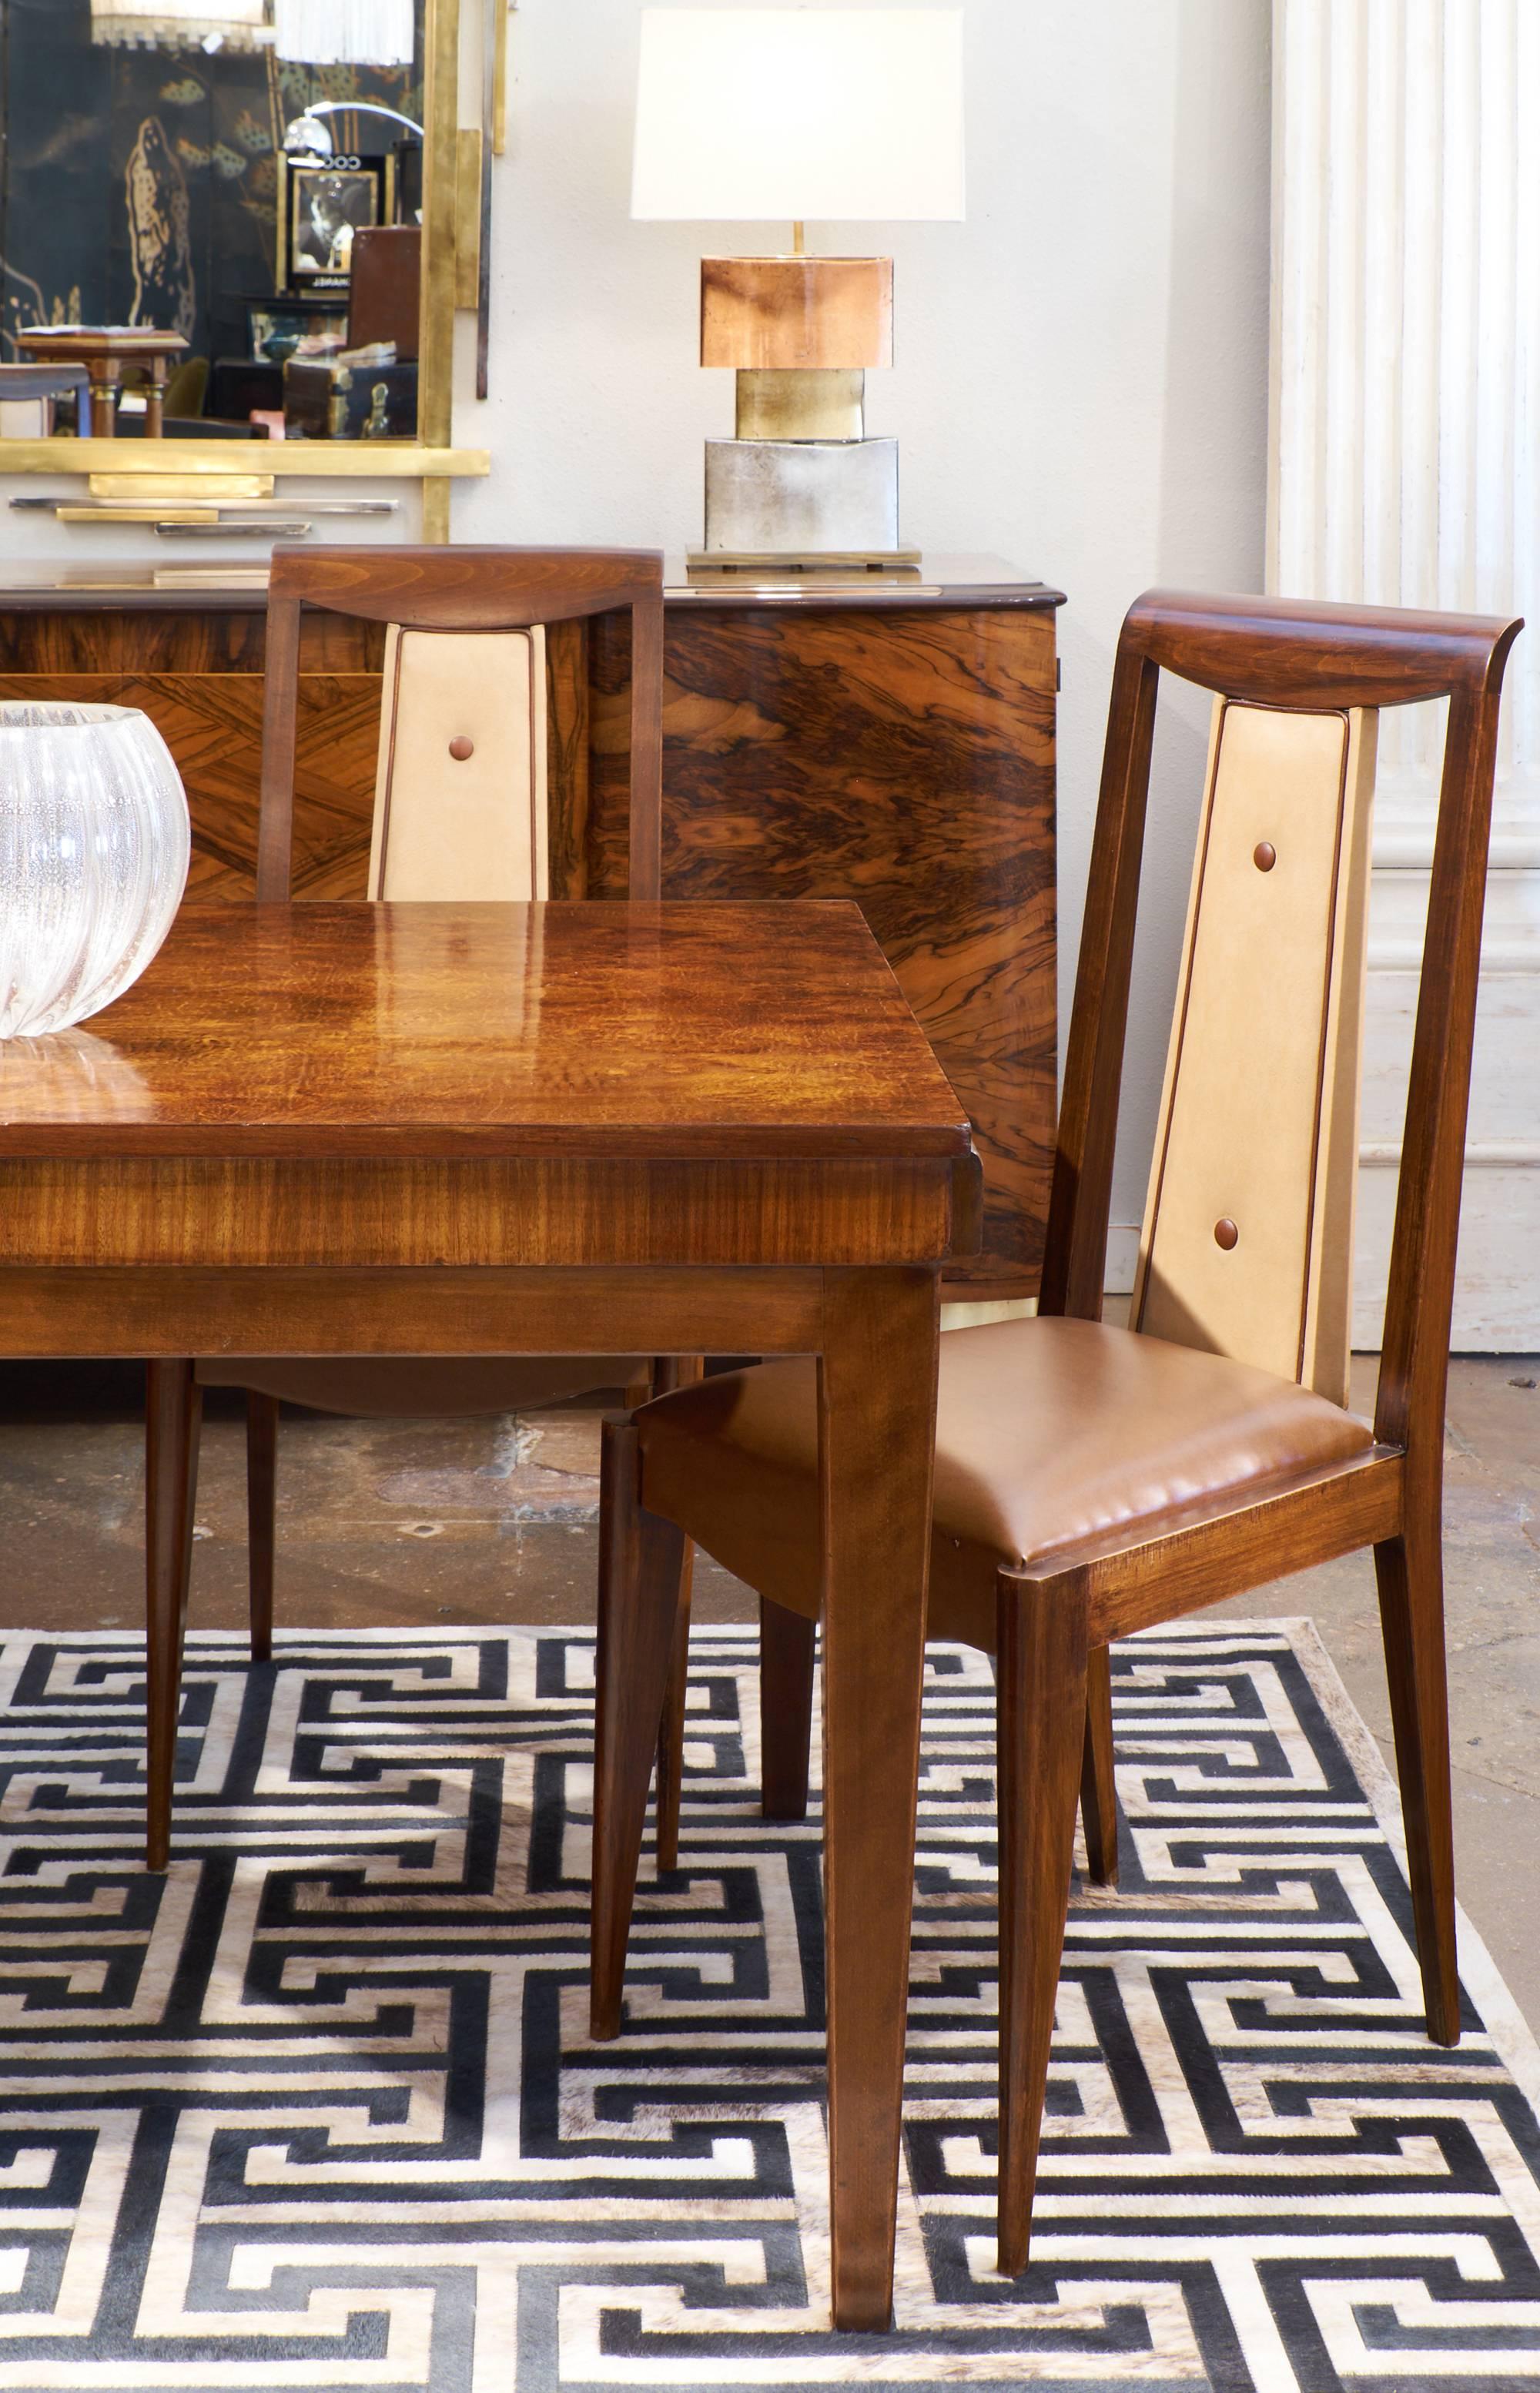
(94, 849)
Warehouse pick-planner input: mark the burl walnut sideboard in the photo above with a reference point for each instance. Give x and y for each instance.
(886, 739)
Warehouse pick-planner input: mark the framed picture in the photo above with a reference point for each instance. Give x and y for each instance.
(326, 206)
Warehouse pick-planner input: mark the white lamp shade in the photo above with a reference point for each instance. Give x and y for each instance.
(344, 33)
(170, 23)
(838, 114)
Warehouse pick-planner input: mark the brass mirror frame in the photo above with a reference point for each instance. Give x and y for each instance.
(451, 235)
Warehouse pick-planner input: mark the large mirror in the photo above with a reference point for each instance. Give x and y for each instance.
(229, 227)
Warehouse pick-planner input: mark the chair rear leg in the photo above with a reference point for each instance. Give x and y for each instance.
(670, 1371)
(1040, 1699)
(671, 1734)
(261, 1515)
(641, 1562)
(174, 1412)
(1410, 1572)
(788, 1644)
(1098, 1782)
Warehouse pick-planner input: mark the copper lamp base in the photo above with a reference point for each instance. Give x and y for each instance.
(800, 485)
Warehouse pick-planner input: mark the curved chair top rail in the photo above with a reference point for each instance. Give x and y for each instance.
(1306, 654)
(462, 590)
(1299, 654)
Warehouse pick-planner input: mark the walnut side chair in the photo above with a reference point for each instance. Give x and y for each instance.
(1090, 1481)
(460, 812)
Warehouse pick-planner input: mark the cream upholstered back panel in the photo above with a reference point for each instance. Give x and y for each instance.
(460, 795)
(1246, 1244)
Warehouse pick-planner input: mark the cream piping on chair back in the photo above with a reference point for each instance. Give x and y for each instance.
(1247, 1243)
(461, 792)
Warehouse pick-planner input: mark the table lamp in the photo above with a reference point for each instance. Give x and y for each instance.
(838, 114)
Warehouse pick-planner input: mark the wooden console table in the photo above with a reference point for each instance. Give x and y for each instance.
(891, 741)
(104, 355)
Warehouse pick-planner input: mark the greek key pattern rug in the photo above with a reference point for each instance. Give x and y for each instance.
(318, 2109)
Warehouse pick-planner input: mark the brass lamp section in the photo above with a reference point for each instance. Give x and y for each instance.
(801, 473)
(760, 114)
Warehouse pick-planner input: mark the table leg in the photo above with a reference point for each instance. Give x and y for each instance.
(155, 414)
(104, 403)
(877, 1438)
(173, 1413)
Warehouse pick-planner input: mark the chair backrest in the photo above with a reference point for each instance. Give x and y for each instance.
(1286, 659)
(1246, 1244)
(463, 724)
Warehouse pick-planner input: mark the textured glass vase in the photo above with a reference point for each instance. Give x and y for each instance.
(94, 847)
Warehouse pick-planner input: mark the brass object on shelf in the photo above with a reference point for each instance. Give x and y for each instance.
(89, 512)
(208, 486)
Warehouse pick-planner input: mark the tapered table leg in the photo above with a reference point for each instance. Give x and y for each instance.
(877, 1404)
(173, 1413)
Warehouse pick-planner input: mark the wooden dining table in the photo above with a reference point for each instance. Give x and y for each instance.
(550, 1129)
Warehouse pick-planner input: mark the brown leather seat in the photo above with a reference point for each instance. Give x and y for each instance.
(1049, 1433)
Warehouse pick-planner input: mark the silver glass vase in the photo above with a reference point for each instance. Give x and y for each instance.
(94, 848)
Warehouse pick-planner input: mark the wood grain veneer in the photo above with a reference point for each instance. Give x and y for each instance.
(496, 1030)
(893, 743)
(906, 760)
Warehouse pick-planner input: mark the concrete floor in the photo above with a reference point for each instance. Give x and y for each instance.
(413, 1523)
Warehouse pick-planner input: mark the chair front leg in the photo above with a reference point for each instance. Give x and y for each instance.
(640, 1564)
(1410, 1572)
(1098, 1781)
(173, 1413)
(1041, 1708)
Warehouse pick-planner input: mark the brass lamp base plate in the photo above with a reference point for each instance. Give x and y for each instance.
(780, 560)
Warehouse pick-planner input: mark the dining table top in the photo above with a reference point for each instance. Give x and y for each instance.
(318, 1031)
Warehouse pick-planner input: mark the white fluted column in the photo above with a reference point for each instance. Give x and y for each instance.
(1405, 418)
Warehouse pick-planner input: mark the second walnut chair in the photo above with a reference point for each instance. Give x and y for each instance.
(460, 812)
(1091, 1482)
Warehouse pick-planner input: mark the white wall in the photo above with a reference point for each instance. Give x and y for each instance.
(1081, 383)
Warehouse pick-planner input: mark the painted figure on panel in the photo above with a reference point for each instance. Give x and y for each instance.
(161, 247)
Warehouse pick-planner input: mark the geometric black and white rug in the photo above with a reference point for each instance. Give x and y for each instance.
(318, 2109)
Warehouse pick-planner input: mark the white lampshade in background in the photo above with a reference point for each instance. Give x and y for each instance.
(318, 33)
(344, 33)
(835, 115)
(171, 24)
